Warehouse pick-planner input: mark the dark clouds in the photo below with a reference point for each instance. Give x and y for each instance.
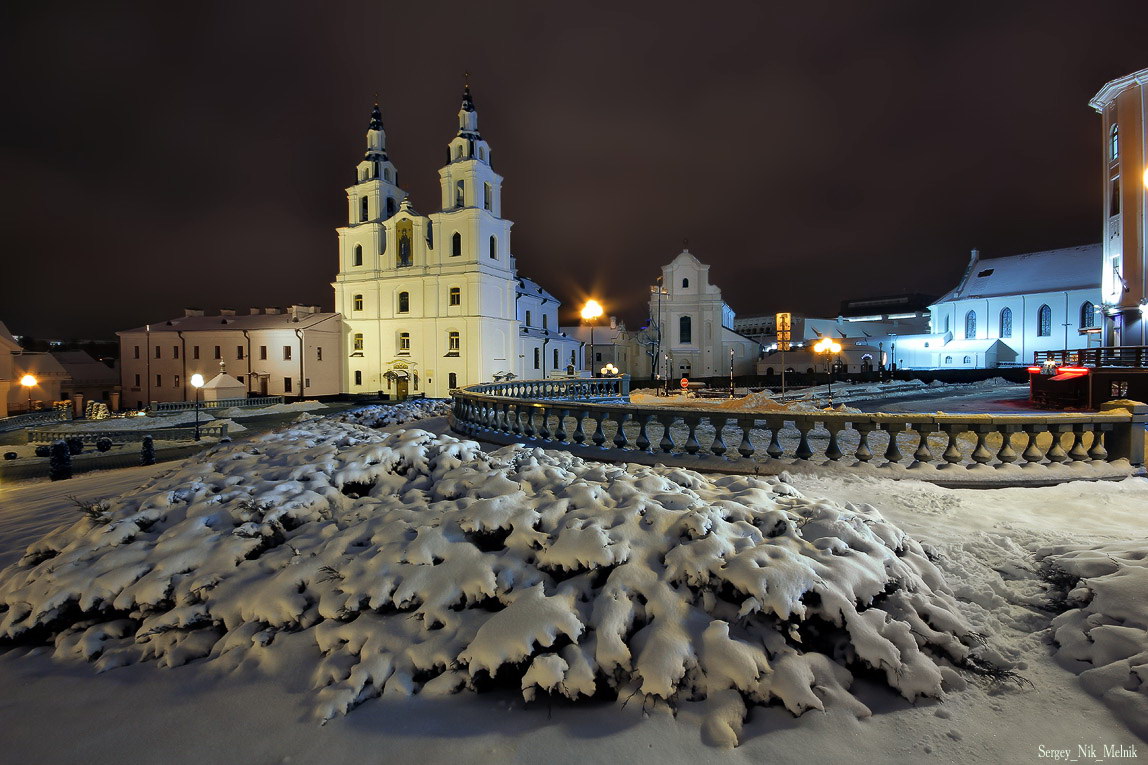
(196, 154)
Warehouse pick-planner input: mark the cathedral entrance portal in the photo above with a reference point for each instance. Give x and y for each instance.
(401, 388)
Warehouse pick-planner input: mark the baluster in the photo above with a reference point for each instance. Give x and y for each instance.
(1078, 452)
(528, 428)
(833, 449)
(952, 454)
(643, 442)
(667, 443)
(803, 427)
(1097, 452)
(863, 453)
(774, 449)
(599, 437)
(718, 446)
(745, 448)
(1032, 453)
(560, 426)
(543, 428)
(692, 443)
(981, 455)
(579, 434)
(922, 453)
(1006, 454)
(1056, 452)
(620, 439)
(893, 451)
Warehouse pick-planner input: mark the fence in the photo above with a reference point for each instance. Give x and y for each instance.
(531, 411)
(47, 436)
(223, 403)
(1135, 356)
(34, 418)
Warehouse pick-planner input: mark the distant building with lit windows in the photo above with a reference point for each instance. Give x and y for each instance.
(1122, 105)
(434, 302)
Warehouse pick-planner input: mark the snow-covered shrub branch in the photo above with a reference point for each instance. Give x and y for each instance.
(418, 563)
(385, 415)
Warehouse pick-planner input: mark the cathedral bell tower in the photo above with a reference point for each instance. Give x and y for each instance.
(467, 179)
(373, 198)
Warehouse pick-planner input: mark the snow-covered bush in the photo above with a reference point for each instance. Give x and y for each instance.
(1103, 634)
(60, 462)
(418, 563)
(103, 444)
(385, 415)
(147, 451)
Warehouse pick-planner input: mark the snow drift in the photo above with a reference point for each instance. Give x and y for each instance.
(1103, 634)
(418, 563)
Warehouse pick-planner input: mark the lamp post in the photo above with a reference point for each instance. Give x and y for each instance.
(731, 372)
(830, 348)
(29, 382)
(591, 311)
(610, 371)
(197, 383)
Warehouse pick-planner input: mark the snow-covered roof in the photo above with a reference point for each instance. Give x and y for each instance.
(223, 380)
(246, 321)
(37, 364)
(1033, 272)
(81, 367)
(527, 286)
(969, 346)
(1115, 87)
(602, 335)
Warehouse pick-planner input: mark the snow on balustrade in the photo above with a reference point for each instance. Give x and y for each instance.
(930, 446)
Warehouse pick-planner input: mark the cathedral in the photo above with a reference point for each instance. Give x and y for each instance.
(433, 302)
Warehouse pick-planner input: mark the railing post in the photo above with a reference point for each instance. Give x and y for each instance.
(1126, 441)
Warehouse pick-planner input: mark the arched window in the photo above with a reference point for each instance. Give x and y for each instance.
(1087, 315)
(364, 208)
(556, 359)
(545, 321)
(452, 380)
(493, 248)
(685, 283)
(357, 302)
(390, 206)
(528, 318)
(458, 152)
(1006, 322)
(970, 325)
(685, 330)
(404, 302)
(430, 235)
(357, 258)
(967, 360)
(456, 245)
(387, 175)
(948, 359)
(1044, 321)
(487, 196)
(1114, 143)
(460, 194)
(537, 358)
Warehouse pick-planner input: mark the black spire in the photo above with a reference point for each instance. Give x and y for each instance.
(376, 118)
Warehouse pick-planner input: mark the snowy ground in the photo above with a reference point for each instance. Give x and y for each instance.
(987, 544)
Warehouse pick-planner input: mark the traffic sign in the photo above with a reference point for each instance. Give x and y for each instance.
(685, 383)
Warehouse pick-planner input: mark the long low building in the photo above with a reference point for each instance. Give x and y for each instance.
(273, 352)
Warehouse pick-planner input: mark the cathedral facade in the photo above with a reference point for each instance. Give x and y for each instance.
(431, 302)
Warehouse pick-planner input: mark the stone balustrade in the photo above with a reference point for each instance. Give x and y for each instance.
(207, 430)
(157, 407)
(535, 412)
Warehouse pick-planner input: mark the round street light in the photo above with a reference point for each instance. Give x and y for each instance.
(197, 383)
(591, 311)
(830, 348)
(29, 382)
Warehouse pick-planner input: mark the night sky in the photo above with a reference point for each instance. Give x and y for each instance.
(196, 154)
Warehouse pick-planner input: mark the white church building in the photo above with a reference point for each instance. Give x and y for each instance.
(1006, 309)
(433, 302)
(691, 327)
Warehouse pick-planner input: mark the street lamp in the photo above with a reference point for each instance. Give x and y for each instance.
(197, 383)
(591, 311)
(610, 370)
(830, 348)
(29, 382)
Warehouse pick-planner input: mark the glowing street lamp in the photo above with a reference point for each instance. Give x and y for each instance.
(591, 311)
(610, 371)
(29, 382)
(830, 348)
(197, 383)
